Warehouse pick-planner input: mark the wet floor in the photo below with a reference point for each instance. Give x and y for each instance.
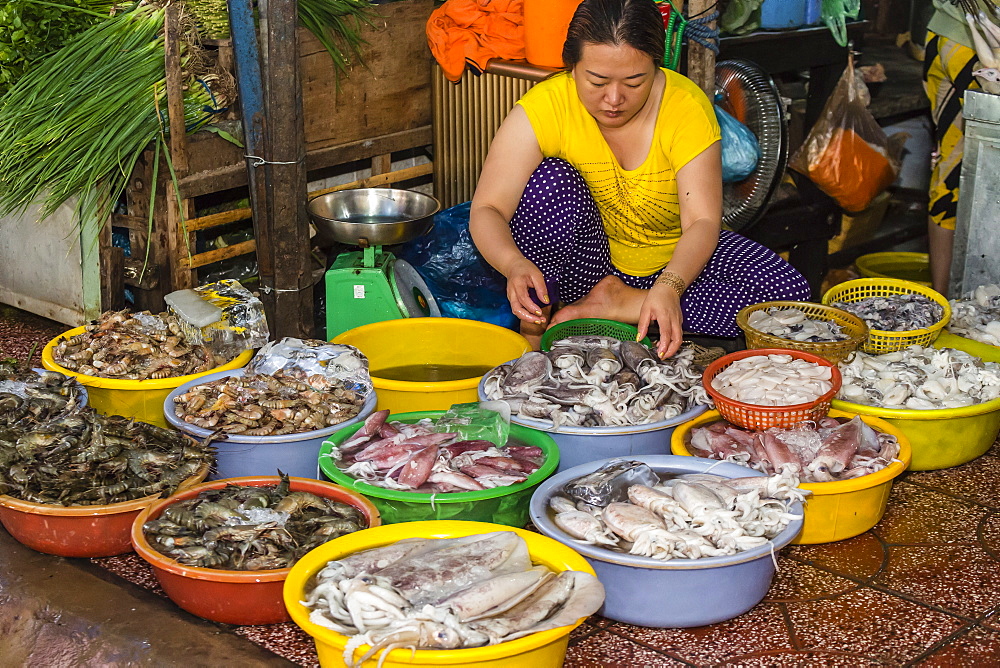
(921, 588)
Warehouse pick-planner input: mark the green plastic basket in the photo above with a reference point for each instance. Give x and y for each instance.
(500, 505)
(591, 327)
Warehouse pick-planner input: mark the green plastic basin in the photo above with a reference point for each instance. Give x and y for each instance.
(500, 505)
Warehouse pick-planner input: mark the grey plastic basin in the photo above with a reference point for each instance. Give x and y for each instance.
(237, 456)
(580, 445)
(676, 593)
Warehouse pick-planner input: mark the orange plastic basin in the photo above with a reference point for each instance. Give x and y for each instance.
(78, 531)
(233, 597)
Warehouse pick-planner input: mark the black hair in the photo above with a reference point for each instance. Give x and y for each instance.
(636, 23)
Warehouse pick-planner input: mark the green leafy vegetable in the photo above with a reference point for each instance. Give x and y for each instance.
(31, 29)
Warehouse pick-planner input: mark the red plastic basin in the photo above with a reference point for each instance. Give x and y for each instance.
(78, 531)
(233, 597)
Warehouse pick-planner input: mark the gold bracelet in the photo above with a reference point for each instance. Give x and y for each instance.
(673, 280)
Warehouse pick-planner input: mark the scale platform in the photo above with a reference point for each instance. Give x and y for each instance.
(372, 285)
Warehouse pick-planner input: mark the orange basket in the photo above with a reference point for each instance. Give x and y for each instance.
(833, 351)
(752, 416)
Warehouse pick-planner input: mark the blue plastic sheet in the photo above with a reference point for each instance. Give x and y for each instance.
(462, 282)
(740, 150)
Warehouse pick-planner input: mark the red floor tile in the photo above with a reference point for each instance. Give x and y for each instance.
(605, 649)
(762, 628)
(801, 582)
(860, 557)
(976, 647)
(974, 481)
(793, 659)
(991, 620)
(286, 640)
(962, 579)
(920, 516)
(990, 534)
(871, 624)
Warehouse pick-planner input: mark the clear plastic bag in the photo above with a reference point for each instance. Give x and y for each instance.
(305, 357)
(740, 150)
(475, 421)
(847, 154)
(240, 323)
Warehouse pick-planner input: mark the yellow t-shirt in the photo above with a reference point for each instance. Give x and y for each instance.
(639, 207)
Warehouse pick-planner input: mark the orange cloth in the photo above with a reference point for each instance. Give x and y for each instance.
(851, 171)
(475, 31)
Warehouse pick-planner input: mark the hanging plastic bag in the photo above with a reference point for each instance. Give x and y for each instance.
(741, 17)
(847, 154)
(835, 14)
(740, 150)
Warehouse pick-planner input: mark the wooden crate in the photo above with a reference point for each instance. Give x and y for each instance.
(378, 111)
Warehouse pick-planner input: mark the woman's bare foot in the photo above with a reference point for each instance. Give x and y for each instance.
(610, 299)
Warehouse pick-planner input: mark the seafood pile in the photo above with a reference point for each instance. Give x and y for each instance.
(268, 405)
(426, 593)
(793, 324)
(133, 346)
(821, 451)
(773, 380)
(919, 378)
(977, 315)
(629, 507)
(246, 528)
(895, 313)
(594, 381)
(414, 457)
(82, 458)
(28, 398)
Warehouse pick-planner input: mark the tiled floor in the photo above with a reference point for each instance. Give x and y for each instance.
(921, 588)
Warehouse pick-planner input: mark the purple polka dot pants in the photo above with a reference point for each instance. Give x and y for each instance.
(558, 227)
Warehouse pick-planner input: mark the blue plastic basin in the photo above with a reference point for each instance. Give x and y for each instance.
(580, 445)
(676, 593)
(238, 456)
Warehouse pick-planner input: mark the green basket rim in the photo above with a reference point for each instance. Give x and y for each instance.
(549, 447)
(552, 332)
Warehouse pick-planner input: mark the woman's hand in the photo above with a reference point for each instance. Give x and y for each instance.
(663, 305)
(522, 275)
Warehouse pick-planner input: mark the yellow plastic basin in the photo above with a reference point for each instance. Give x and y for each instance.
(835, 510)
(538, 650)
(914, 267)
(984, 351)
(431, 341)
(139, 399)
(939, 438)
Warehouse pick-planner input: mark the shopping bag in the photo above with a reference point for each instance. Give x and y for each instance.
(740, 150)
(847, 154)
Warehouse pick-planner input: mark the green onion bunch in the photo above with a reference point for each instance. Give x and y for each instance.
(212, 17)
(337, 24)
(77, 122)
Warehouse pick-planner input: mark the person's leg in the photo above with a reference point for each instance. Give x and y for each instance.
(741, 272)
(558, 227)
(947, 75)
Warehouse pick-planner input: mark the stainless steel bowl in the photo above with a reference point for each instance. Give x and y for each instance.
(373, 216)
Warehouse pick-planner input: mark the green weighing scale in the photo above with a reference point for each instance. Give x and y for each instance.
(372, 285)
